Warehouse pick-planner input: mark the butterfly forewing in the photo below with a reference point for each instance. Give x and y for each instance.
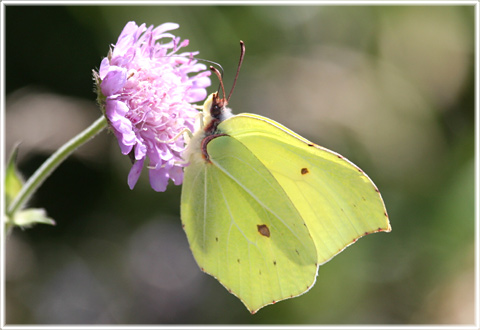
(336, 199)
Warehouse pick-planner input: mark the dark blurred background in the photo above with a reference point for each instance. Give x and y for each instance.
(389, 87)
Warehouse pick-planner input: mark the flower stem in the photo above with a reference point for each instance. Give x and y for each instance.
(52, 163)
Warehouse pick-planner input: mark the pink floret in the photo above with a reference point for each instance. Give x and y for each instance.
(149, 90)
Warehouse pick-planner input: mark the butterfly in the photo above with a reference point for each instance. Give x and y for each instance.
(263, 208)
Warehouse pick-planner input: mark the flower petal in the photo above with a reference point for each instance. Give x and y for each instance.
(158, 179)
(135, 173)
(115, 109)
(104, 66)
(127, 38)
(114, 80)
(125, 145)
(140, 149)
(157, 32)
(196, 95)
(176, 175)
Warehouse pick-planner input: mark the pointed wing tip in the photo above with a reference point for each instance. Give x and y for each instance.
(388, 227)
(385, 229)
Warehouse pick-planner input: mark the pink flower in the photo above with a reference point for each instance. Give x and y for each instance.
(147, 89)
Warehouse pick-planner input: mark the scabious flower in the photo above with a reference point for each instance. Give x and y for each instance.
(147, 90)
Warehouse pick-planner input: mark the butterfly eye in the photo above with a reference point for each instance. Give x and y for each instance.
(215, 110)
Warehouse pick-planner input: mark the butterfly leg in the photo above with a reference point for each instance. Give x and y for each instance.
(176, 137)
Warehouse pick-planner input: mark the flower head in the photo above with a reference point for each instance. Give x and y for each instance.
(147, 89)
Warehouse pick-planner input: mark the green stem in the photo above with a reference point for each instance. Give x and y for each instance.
(52, 163)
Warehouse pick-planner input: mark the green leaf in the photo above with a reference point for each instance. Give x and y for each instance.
(13, 179)
(29, 217)
(13, 184)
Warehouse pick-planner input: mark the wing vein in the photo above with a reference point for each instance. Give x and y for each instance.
(248, 191)
(232, 219)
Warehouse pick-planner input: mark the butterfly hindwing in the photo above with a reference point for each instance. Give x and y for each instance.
(243, 229)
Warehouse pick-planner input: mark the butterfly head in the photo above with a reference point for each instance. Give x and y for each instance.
(218, 106)
(215, 110)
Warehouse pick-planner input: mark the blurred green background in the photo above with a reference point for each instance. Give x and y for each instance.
(389, 87)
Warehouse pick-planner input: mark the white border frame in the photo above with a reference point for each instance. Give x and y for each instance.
(474, 3)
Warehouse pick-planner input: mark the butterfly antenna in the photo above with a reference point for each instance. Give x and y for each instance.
(215, 64)
(207, 61)
(219, 75)
(242, 55)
